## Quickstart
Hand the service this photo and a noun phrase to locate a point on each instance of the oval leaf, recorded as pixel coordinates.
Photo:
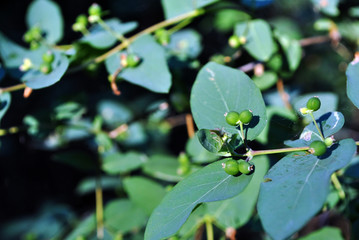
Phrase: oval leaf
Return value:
(298, 188)
(163, 167)
(210, 140)
(152, 73)
(219, 89)
(146, 193)
(259, 40)
(353, 82)
(118, 163)
(237, 211)
(174, 8)
(47, 15)
(101, 38)
(5, 99)
(36, 79)
(211, 183)
(329, 124)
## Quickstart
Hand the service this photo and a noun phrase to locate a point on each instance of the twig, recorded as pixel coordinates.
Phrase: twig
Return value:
(189, 124)
(283, 94)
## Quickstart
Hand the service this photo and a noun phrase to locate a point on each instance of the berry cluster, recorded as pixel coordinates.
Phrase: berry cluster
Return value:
(233, 167)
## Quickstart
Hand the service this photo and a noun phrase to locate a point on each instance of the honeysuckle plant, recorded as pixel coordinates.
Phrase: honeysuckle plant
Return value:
(264, 153)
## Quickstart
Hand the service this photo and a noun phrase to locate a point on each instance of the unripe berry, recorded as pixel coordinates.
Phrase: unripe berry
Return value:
(48, 57)
(245, 116)
(313, 104)
(162, 36)
(244, 167)
(232, 118)
(317, 148)
(231, 167)
(45, 67)
(132, 60)
(234, 41)
(329, 141)
(81, 19)
(95, 10)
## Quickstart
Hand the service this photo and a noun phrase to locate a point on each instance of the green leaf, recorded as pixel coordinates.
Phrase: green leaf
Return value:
(101, 38)
(197, 152)
(163, 167)
(291, 48)
(259, 40)
(152, 72)
(84, 228)
(173, 8)
(185, 44)
(5, 100)
(298, 187)
(226, 19)
(146, 193)
(329, 7)
(219, 89)
(236, 211)
(266, 80)
(88, 185)
(123, 216)
(118, 163)
(331, 233)
(11, 53)
(210, 140)
(36, 79)
(353, 82)
(47, 15)
(354, 11)
(329, 124)
(211, 183)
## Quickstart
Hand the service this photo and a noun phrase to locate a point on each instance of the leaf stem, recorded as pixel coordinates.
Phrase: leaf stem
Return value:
(316, 125)
(209, 229)
(13, 88)
(337, 186)
(99, 208)
(242, 131)
(149, 30)
(105, 26)
(274, 151)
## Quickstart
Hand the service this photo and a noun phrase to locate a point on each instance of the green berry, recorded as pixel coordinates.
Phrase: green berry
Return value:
(81, 19)
(95, 10)
(244, 167)
(232, 118)
(313, 104)
(183, 159)
(132, 60)
(162, 36)
(45, 67)
(28, 37)
(329, 141)
(231, 167)
(48, 57)
(317, 148)
(245, 116)
(34, 45)
(234, 41)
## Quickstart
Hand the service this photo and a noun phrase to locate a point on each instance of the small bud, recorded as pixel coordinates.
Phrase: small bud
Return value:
(27, 65)
(233, 41)
(304, 110)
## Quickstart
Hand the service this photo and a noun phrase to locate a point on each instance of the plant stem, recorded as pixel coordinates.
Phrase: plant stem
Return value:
(273, 151)
(242, 131)
(105, 26)
(99, 208)
(149, 30)
(337, 186)
(13, 88)
(316, 125)
(209, 229)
